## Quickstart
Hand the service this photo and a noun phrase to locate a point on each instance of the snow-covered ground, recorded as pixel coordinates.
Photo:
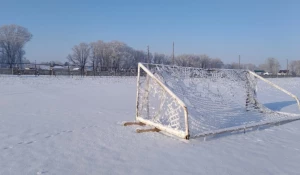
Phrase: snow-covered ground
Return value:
(63, 125)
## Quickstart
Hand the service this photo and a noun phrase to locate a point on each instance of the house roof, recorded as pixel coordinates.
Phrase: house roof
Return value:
(43, 67)
(58, 67)
(283, 71)
(259, 71)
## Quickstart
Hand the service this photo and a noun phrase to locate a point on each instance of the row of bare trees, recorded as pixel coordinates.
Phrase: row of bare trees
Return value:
(12, 41)
(202, 61)
(105, 54)
(272, 66)
(119, 55)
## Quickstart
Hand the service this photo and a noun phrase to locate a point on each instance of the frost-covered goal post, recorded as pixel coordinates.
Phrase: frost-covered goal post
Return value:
(192, 102)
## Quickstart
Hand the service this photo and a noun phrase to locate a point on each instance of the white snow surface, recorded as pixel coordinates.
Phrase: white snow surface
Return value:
(64, 125)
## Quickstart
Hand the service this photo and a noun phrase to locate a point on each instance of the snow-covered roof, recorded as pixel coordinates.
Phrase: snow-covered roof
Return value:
(43, 67)
(59, 67)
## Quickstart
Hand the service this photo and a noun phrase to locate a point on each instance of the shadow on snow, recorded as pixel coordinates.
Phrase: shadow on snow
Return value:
(277, 106)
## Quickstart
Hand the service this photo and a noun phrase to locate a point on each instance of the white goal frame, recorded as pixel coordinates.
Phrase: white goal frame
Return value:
(180, 134)
(185, 134)
(277, 87)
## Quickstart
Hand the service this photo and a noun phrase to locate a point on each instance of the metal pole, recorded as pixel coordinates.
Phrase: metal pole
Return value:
(173, 55)
(287, 66)
(239, 62)
(148, 58)
(35, 67)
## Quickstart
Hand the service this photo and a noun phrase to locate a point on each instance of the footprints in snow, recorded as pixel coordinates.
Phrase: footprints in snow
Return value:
(8, 147)
(58, 133)
(49, 136)
(42, 172)
(30, 142)
(85, 127)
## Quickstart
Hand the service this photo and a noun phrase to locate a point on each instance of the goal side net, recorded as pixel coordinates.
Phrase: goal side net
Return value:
(193, 102)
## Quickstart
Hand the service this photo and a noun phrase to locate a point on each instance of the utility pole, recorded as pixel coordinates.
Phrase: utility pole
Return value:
(239, 62)
(35, 68)
(148, 58)
(173, 60)
(287, 66)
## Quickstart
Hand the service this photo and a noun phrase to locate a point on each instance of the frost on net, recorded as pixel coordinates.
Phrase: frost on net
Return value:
(215, 99)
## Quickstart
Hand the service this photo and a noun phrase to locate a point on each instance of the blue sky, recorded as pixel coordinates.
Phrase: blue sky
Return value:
(255, 29)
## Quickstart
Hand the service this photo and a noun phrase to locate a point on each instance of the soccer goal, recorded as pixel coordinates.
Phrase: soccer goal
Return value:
(192, 102)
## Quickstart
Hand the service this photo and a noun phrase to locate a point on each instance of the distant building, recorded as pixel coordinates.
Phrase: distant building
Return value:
(59, 68)
(283, 72)
(76, 68)
(29, 66)
(44, 67)
(259, 72)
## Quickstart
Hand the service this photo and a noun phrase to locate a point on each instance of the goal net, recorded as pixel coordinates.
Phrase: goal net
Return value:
(192, 102)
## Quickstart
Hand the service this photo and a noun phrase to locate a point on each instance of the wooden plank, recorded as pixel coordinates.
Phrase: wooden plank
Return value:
(133, 123)
(178, 133)
(147, 130)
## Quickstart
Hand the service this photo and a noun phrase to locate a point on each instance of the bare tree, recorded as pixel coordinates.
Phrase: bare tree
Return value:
(204, 61)
(295, 67)
(120, 55)
(80, 55)
(106, 62)
(2, 58)
(160, 58)
(263, 67)
(97, 54)
(185, 60)
(25, 61)
(234, 65)
(249, 66)
(20, 57)
(55, 63)
(272, 65)
(138, 56)
(12, 40)
(216, 63)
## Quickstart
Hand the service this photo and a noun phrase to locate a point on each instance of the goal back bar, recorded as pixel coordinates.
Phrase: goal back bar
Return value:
(278, 87)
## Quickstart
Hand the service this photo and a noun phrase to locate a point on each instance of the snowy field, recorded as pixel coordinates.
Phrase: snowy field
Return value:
(63, 125)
